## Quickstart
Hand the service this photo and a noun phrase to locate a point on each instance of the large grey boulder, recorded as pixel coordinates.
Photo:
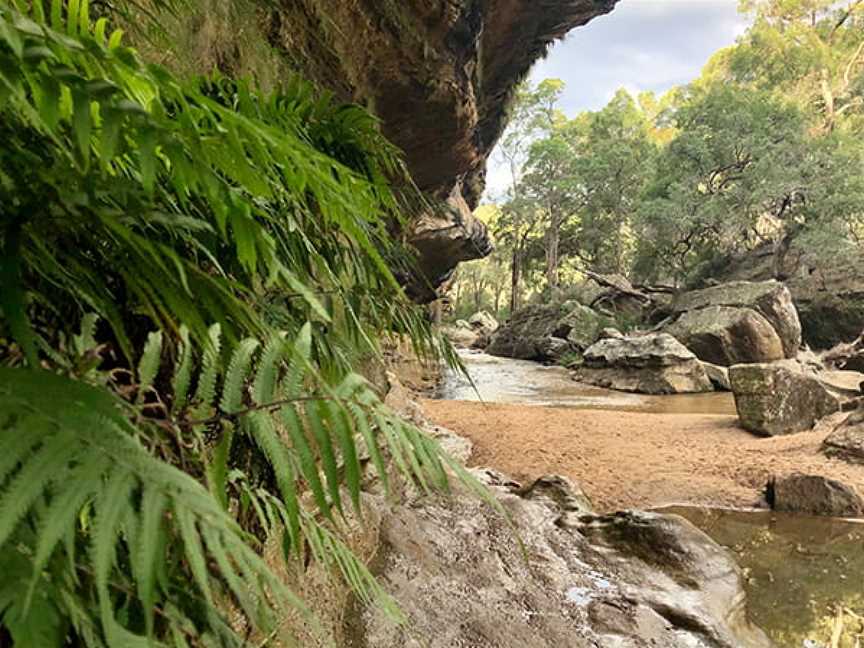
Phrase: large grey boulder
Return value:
(737, 322)
(814, 495)
(629, 580)
(775, 399)
(650, 364)
(847, 440)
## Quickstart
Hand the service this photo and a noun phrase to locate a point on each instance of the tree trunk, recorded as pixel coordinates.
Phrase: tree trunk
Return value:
(552, 244)
(515, 276)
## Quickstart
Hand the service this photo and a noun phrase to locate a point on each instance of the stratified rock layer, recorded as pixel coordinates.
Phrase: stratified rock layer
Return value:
(439, 74)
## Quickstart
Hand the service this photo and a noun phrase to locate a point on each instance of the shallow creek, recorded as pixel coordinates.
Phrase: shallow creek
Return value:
(800, 571)
(504, 380)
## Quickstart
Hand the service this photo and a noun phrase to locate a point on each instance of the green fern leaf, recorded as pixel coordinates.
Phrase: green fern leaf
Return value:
(148, 366)
(235, 377)
(263, 431)
(308, 466)
(316, 417)
(183, 372)
(264, 386)
(206, 390)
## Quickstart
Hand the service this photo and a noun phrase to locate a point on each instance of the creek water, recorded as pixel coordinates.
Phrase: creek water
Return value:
(804, 575)
(505, 380)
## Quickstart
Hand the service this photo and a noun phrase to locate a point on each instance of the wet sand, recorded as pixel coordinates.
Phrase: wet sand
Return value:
(642, 459)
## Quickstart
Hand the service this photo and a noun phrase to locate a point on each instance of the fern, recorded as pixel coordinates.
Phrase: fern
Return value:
(137, 209)
(85, 442)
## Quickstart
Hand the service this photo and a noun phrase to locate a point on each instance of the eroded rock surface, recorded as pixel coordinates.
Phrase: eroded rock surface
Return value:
(439, 74)
(737, 322)
(828, 289)
(651, 364)
(774, 399)
(631, 580)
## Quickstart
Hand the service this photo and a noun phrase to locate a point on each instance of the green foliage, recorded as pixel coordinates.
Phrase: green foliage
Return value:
(226, 254)
(99, 517)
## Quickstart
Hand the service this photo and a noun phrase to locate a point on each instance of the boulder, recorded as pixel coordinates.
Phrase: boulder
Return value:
(610, 333)
(827, 287)
(578, 580)
(650, 364)
(483, 322)
(583, 326)
(847, 440)
(727, 335)
(547, 331)
(814, 495)
(737, 322)
(774, 399)
(461, 336)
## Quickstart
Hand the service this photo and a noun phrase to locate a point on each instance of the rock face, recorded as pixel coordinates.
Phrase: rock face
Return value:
(773, 399)
(828, 289)
(651, 364)
(815, 495)
(847, 440)
(737, 322)
(547, 331)
(439, 74)
(630, 580)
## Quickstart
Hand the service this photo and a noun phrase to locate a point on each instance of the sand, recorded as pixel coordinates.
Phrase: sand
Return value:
(638, 459)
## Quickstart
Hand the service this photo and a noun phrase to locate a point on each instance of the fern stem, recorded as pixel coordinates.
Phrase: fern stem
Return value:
(254, 408)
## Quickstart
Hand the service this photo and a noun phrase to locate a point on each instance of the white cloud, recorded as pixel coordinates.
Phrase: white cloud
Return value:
(642, 45)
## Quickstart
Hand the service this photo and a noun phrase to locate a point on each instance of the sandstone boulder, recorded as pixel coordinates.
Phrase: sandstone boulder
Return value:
(737, 322)
(773, 399)
(584, 326)
(726, 335)
(651, 364)
(461, 336)
(814, 495)
(847, 440)
(630, 580)
(827, 288)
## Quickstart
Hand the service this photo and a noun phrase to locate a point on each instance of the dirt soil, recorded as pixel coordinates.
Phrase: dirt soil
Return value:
(637, 459)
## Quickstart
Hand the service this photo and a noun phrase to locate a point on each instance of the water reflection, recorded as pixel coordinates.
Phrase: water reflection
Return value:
(805, 575)
(504, 380)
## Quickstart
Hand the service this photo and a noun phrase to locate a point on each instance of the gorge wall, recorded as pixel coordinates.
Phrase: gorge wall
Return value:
(438, 73)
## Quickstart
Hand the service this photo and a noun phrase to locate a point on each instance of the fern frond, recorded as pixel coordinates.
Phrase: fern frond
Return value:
(206, 389)
(87, 440)
(235, 377)
(183, 372)
(148, 366)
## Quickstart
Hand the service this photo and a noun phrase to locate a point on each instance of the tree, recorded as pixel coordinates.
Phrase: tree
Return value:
(532, 112)
(742, 171)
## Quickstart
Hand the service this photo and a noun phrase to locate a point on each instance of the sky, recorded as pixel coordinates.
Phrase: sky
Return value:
(641, 45)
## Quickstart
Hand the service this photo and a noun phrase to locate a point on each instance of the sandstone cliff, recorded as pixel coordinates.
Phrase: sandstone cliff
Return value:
(439, 74)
